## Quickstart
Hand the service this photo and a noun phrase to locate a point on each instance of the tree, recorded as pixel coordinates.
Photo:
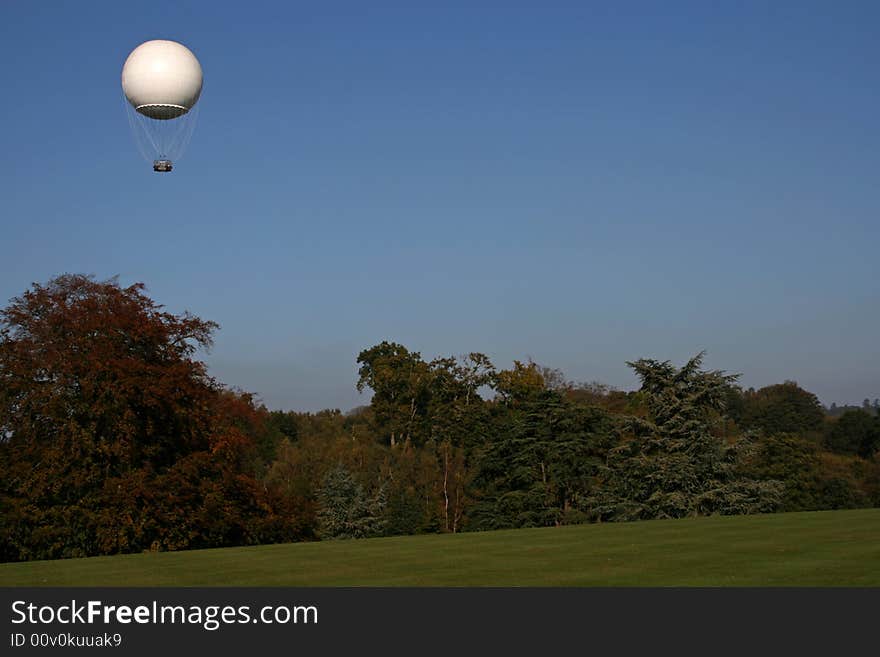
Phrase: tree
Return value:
(400, 381)
(539, 462)
(554, 378)
(459, 379)
(95, 381)
(81, 356)
(735, 403)
(872, 446)
(345, 510)
(854, 432)
(792, 460)
(286, 423)
(598, 394)
(672, 463)
(782, 408)
(521, 383)
(105, 410)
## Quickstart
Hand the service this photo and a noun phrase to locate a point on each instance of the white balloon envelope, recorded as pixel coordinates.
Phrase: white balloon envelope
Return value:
(162, 82)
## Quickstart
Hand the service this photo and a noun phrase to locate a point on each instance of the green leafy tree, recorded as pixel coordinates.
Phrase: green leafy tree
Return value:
(854, 432)
(401, 382)
(520, 383)
(872, 446)
(782, 408)
(458, 421)
(792, 460)
(410, 475)
(460, 379)
(285, 423)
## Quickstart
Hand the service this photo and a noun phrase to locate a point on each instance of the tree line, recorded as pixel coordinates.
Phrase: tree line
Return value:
(114, 439)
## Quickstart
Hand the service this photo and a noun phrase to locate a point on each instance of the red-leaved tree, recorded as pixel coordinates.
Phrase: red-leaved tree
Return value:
(113, 438)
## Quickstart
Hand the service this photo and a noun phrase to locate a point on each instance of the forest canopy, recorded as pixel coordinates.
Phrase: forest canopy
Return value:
(114, 439)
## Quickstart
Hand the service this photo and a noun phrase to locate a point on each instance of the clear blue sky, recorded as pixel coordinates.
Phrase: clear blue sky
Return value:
(583, 183)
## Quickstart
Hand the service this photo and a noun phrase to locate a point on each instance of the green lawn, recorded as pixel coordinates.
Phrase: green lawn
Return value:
(830, 548)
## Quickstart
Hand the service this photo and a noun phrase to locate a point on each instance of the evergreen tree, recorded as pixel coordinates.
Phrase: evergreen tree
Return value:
(538, 467)
(345, 509)
(673, 463)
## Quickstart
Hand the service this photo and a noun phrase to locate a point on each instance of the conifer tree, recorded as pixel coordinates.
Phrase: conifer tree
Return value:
(345, 509)
(674, 463)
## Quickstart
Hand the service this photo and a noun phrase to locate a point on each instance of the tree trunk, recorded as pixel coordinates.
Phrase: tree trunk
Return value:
(445, 487)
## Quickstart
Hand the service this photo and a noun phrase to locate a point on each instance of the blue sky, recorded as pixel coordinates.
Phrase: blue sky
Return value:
(581, 183)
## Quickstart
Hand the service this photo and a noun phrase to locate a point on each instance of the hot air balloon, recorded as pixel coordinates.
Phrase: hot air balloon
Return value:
(162, 82)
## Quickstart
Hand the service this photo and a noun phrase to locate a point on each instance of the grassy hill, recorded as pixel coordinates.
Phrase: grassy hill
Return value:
(831, 548)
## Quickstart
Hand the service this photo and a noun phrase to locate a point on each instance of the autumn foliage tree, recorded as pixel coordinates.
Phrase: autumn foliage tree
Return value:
(114, 437)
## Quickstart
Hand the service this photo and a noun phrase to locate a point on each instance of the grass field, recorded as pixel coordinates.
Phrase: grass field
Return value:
(831, 548)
